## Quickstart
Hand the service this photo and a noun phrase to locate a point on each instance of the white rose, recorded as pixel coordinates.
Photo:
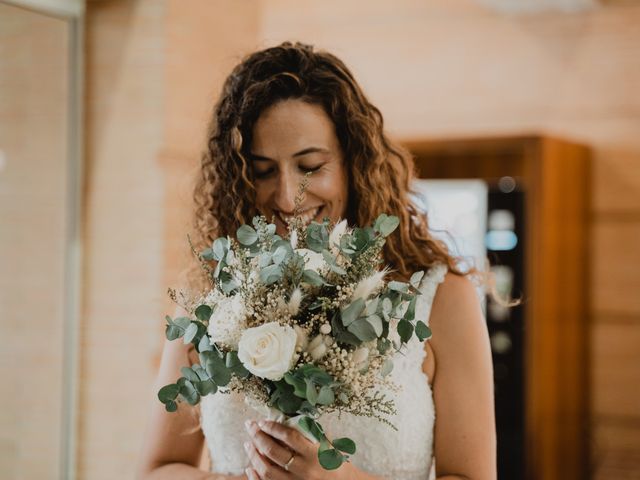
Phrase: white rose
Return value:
(312, 260)
(268, 351)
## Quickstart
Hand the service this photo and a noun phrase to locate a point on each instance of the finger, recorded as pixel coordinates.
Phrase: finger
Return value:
(263, 466)
(251, 474)
(270, 447)
(291, 437)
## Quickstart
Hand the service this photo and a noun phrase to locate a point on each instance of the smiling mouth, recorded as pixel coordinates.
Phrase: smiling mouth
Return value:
(307, 216)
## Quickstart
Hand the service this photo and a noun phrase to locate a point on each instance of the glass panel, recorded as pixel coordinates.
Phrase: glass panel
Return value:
(34, 218)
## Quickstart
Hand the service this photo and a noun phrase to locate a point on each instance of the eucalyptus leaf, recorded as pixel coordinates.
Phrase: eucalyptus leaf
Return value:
(326, 395)
(330, 459)
(363, 329)
(376, 323)
(311, 393)
(312, 278)
(352, 312)
(203, 313)
(422, 330)
(405, 330)
(271, 274)
(398, 286)
(386, 368)
(220, 248)
(190, 332)
(168, 392)
(345, 445)
(246, 235)
(309, 425)
(189, 374)
(415, 278)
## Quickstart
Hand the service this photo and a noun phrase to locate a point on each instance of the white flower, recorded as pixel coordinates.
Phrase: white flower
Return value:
(293, 239)
(228, 319)
(294, 301)
(336, 235)
(268, 351)
(368, 285)
(312, 260)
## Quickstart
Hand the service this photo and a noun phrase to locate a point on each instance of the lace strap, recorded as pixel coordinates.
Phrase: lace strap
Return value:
(428, 286)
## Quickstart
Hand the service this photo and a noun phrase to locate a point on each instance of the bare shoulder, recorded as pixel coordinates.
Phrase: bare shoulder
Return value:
(456, 314)
(456, 300)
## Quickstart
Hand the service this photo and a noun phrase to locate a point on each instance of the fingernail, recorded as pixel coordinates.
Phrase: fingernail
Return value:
(246, 446)
(247, 425)
(262, 423)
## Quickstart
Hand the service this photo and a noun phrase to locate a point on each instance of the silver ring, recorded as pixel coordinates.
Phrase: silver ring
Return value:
(286, 465)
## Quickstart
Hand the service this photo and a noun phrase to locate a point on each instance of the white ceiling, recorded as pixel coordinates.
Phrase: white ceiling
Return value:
(537, 6)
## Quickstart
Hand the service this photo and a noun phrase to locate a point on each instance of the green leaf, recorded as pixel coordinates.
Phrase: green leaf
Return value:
(312, 427)
(216, 368)
(372, 306)
(352, 312)
(345, 445)
(271, 274)
(171, 406)
(207, 254)
(189, 392)
(206, 387)
(415, 278)
(422, 330)
(234, 364)
(330, 459)
(168, 392)
(326, 396)
(388, 224)
(311, 393)
(312, 278)
(398, 286)
(190, 333)
(246, 235)
(220, 248)
(204, 344)
(289, 404)
(189, 374)
(405, 330)
(410, 314)
(279, 255)
(203, 313)
(383, 345)
(362, 329)
(376, 322)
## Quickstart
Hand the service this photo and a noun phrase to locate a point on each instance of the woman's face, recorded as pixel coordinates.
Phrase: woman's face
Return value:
(291, 138)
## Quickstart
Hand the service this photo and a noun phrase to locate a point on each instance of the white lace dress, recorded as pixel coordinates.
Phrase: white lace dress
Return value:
(406, 454)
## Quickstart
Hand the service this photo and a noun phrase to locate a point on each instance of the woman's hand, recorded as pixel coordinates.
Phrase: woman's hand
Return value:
(272, 446)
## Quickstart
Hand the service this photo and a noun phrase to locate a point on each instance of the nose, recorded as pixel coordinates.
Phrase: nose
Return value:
(286, 191)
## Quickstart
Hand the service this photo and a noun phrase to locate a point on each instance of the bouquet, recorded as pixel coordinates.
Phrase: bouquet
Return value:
(300, 325)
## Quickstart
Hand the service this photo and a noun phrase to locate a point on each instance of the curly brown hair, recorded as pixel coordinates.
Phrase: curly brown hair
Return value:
(380, 171)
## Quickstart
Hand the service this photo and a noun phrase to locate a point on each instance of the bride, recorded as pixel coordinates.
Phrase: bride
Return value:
(285, 111)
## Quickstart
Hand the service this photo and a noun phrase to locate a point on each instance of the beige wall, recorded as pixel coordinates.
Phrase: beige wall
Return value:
(154, 68)
(33, 222)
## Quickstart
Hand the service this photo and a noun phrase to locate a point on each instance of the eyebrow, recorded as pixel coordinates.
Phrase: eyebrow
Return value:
(297, 154)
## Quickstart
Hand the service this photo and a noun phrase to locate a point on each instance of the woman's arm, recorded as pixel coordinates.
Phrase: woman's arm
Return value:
(465, 436)
(173, 441)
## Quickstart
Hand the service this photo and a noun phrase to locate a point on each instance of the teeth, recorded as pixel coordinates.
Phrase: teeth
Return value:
(306, 217)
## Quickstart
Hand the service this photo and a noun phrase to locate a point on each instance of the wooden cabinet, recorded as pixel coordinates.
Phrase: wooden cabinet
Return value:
(555, 176)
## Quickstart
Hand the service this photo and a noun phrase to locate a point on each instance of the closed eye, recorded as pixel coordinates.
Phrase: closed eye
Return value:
(269, 171)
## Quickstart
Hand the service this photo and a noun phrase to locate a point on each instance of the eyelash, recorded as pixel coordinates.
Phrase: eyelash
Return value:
(268, 172)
